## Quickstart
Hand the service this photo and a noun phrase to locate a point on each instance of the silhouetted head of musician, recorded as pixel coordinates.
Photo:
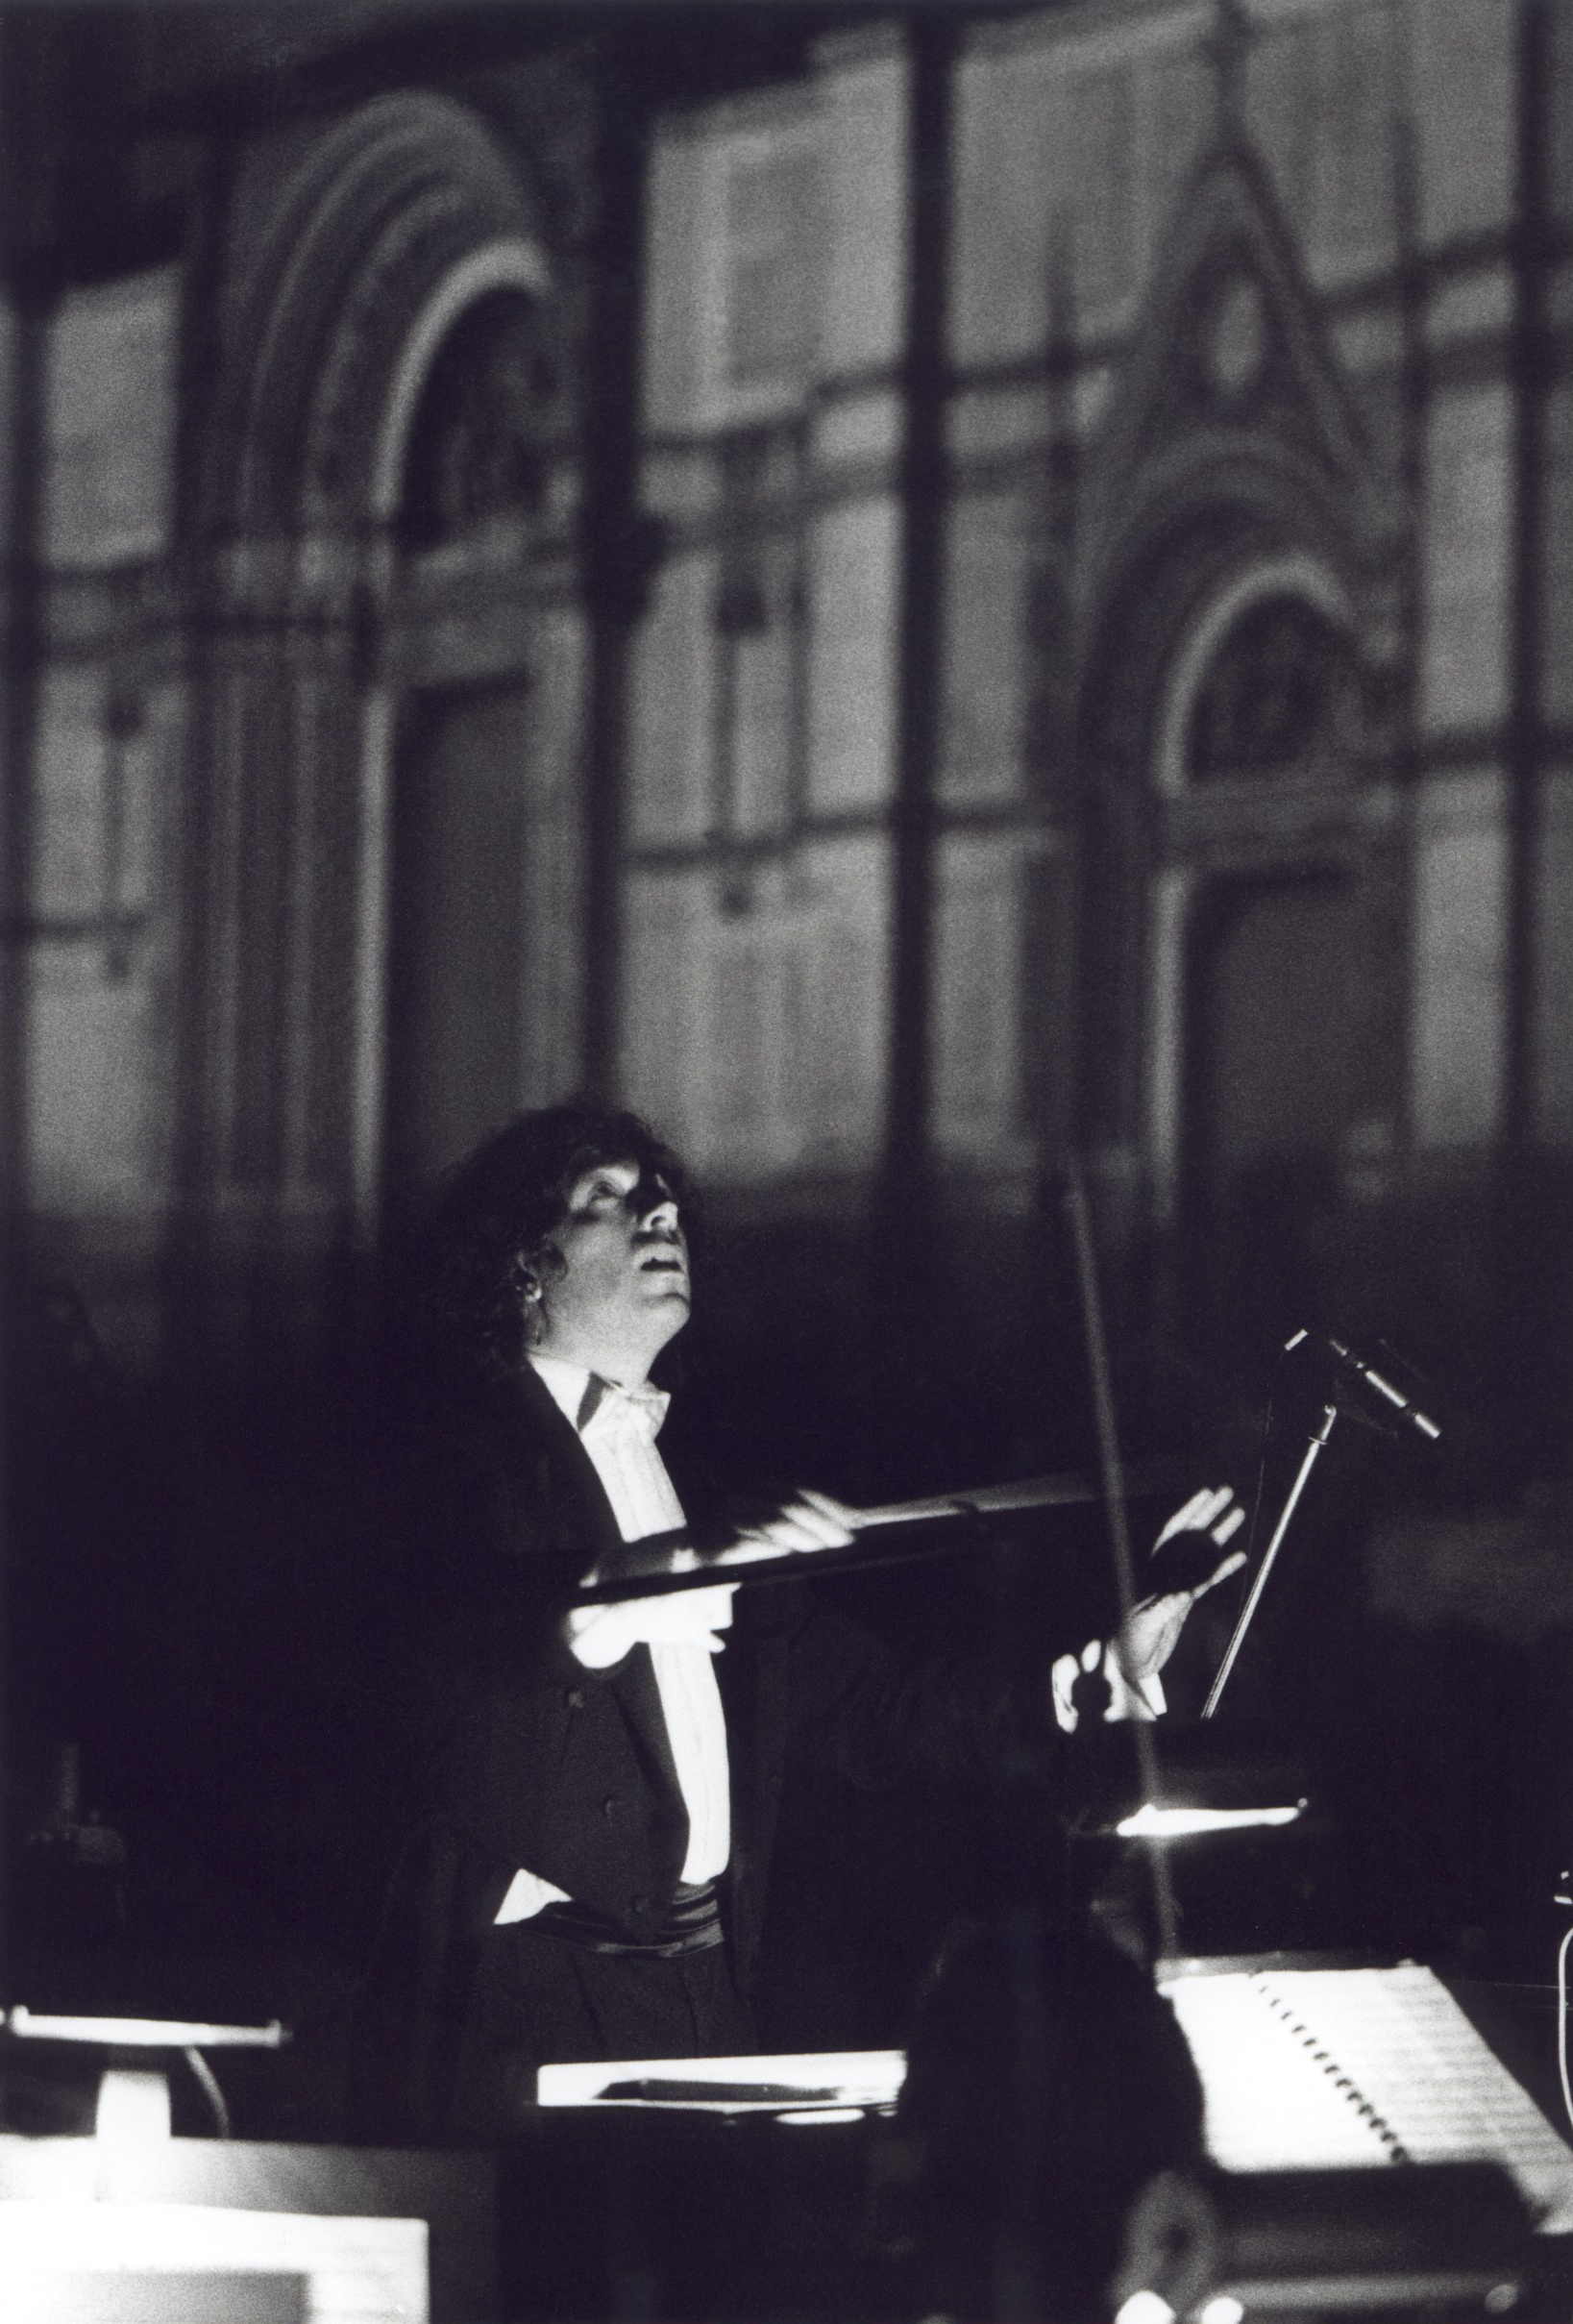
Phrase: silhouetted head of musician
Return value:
(1049, 2091)
(564, 1233)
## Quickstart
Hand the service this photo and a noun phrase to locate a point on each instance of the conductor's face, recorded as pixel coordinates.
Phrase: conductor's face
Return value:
(622, 1289)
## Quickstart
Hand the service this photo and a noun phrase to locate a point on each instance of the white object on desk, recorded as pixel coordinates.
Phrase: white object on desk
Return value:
(358, 2271)
(854, 2078)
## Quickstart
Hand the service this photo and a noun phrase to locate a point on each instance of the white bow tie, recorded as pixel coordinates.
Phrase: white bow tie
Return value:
(614, 1411)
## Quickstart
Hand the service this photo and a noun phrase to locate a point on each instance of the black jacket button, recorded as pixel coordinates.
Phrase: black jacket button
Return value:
(608, 1807)
(575, 1698)
(641, 1905)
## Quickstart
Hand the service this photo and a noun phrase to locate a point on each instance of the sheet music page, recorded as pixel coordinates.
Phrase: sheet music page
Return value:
(1307, 2068)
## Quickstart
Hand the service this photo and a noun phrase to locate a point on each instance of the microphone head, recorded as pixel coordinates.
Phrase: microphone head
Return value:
(1382, 1395)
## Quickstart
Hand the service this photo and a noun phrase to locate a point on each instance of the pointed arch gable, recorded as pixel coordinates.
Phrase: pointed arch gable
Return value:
(1231, 467)
(1231, 395)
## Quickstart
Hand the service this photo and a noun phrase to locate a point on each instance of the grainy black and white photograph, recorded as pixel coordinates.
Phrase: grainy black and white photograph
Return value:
(786, 1161)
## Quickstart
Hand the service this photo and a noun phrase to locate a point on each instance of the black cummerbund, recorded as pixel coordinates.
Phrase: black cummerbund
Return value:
(692, 1925)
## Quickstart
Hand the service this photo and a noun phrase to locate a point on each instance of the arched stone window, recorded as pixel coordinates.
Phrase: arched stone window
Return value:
(1271, 1074)
(1278, 699)
(478, 445)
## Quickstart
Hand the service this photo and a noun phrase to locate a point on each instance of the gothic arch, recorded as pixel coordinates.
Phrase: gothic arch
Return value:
(1295, 578)
(1296, 575)
(1231, 468)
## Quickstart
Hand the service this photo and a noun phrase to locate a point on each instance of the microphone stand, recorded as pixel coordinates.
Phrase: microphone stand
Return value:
(1165, 1910)
(1314, 1449)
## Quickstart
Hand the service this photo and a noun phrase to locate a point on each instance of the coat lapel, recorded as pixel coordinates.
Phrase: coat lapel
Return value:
(560, 1472)
(582, 1514)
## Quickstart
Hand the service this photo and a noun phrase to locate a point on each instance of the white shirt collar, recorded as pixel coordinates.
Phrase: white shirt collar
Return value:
(570, 1385)
(565, 1383)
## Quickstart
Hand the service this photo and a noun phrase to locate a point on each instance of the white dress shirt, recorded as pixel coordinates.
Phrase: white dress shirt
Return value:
(618, 1428)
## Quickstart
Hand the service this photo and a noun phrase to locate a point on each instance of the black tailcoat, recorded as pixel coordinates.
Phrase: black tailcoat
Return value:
(521, 1757)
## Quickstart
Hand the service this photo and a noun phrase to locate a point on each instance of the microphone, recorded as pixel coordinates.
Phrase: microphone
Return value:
(1402, 1407)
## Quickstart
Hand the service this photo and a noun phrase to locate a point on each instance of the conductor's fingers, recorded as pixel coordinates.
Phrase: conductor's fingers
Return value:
(801, 1526)
(1198, 1511)
(1230, 1565)
(836, 1514)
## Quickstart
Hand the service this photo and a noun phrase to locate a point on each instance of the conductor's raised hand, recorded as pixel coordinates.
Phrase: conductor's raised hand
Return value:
(807, 1525)
(1191, 1556)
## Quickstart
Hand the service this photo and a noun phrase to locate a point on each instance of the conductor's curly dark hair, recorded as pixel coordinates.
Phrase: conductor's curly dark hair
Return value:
(486, 1235)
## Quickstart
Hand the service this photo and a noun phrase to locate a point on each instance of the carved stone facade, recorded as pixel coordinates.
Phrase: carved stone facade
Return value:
(292, 692)
(349, 586)
(1246, 781)
(1007, 605)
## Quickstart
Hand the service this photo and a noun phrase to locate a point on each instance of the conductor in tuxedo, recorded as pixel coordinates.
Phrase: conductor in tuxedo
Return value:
(584, 1869)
